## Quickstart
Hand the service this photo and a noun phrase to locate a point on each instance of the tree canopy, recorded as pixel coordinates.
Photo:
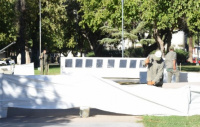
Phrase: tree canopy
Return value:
(79, 25)
(8, 25)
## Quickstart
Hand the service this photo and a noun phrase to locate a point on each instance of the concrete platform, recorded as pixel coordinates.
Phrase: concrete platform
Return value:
(67, 118)
(179, 84)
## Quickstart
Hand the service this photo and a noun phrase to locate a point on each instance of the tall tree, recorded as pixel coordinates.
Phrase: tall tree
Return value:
(163, 17)
(53, 21)
(22, 30)
(192, 23)
(92, 20)
(53, 18)
(8, 28)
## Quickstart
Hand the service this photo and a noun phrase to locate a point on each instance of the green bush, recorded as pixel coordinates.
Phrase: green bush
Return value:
(134, 52)
(181, 56)
(90, 54)
(111, 53)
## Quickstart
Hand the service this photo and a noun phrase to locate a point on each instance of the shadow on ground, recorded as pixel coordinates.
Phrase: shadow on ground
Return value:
(18, 117)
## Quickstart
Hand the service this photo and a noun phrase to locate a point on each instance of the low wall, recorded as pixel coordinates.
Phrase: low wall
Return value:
(184, 77)
(103, 66)
(23, 69)
(112, 67)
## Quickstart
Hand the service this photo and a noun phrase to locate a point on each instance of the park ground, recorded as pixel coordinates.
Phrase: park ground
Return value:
(146, 121)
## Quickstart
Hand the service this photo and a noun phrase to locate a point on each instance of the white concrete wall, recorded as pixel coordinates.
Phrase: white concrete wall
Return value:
(89, 65)
(178, 40)
(24, 69)
(184, 77)
(79, 65)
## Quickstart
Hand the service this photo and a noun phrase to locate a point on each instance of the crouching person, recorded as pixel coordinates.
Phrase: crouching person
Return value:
(155, 69)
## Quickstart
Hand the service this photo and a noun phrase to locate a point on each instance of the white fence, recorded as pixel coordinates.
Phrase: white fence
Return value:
(103, 66)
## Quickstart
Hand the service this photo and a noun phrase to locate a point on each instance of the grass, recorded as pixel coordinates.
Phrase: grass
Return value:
(190, 68)
(53, 70)
(174, 121)
(171, 121)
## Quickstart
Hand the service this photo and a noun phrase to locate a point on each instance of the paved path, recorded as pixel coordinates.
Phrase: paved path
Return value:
(67, 118)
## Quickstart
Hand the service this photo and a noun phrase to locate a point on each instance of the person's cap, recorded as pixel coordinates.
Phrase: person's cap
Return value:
(171, 47)
(158, 53)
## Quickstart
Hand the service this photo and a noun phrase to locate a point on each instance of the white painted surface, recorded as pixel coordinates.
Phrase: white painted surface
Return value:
(23, 69)
(184, 77)
(111, 66)
(116, 71)
(178, 40)
(76, 90)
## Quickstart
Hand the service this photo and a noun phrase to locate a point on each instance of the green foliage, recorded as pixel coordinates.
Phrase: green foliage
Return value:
(8, 26)
(193, 15)
(171, 121)
(113, 33)
(72, 43)
(134, 52)
(94, 14)
(109, 41)
(181, 56)
(90, 54)
(163, 13)
(189, 67)
(62, 29)
(111, 53)
(147, 41)
(53, 21)
(116, 34)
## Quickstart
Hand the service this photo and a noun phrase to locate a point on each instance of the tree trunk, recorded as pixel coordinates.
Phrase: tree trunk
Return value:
(168, 37)
(28, 60)
(93, 38)
(161, 44)
(159, 40)
(190, 49)
(148, 49)
(22, 26)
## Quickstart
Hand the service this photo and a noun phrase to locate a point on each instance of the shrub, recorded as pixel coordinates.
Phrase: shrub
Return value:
(181, 56)
(90, 54)
(134, 52)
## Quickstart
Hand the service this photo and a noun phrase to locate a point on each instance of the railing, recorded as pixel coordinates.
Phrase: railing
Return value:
(3, 50)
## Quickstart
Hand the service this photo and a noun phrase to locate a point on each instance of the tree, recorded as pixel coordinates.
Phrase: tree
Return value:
(53, 18)
(92, 20)
(163, 16)
(99, 13)
(192, 23)
(114, 35)
(53, 21)
(8, 27)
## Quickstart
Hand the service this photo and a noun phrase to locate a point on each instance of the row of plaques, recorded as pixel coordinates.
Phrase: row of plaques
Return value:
(99, 63)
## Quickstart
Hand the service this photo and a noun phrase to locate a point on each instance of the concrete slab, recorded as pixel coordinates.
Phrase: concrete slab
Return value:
(67, 118)
(179, 84)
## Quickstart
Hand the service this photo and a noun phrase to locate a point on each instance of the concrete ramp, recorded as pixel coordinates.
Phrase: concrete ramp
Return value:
(77, 90)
